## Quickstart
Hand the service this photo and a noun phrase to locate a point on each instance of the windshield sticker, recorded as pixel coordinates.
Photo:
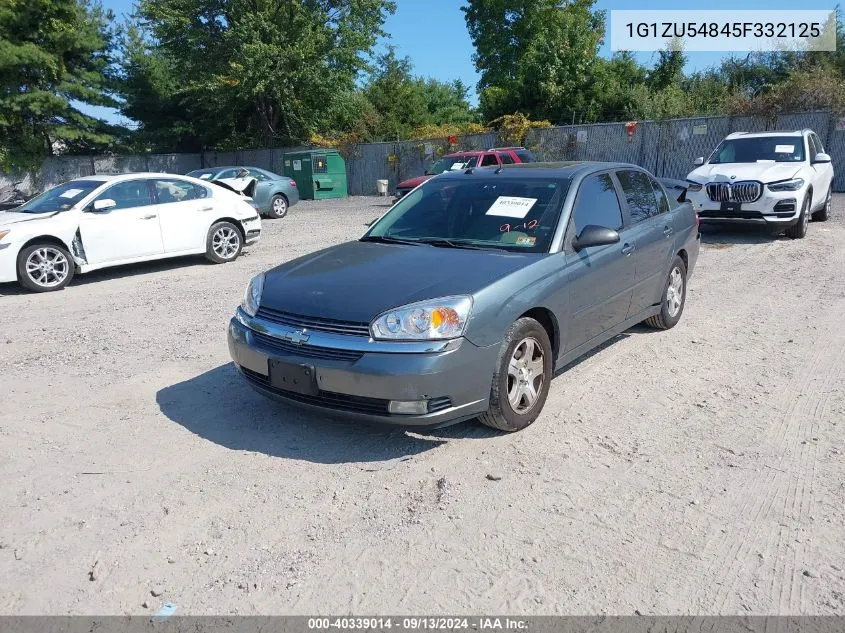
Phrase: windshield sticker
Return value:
(71, 193)
(457, 166)
(511, 206)
(784, 149)
(205, 176)
(526, 240)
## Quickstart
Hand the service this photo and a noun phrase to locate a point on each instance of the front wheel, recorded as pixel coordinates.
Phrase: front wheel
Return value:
(45, 267)
(824, 213)
(798, 231)
(522, 377)
(224, 243)
(278, 206)
(674, 297)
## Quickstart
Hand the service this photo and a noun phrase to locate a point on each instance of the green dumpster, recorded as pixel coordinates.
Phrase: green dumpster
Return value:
(319, 174)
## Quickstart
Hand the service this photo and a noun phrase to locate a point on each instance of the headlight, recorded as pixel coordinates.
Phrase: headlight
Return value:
(693, 186)
(252, 295)
(427, 320)
(786, 185)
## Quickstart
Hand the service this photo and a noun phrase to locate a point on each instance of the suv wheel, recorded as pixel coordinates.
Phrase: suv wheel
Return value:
(800, 229)
(824, 213)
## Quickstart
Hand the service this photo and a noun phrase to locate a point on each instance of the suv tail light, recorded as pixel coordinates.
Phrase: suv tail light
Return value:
(293, 183)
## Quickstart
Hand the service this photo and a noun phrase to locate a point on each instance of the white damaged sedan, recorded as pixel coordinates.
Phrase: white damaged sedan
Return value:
(100, 221)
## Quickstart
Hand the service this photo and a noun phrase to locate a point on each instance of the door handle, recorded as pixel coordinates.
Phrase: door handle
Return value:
(667, 231)
(627, 249)
(207, 208)
(149, 217)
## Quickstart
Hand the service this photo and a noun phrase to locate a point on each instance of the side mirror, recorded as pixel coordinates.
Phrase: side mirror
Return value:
(593, 235)
(821, 157)
(426, 173)
(104, 206)
(698, 161)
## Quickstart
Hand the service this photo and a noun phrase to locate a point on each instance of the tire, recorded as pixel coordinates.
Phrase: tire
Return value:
(798, 231)
(674, 297)
(824, 213)
(502, 415)
(278, 207)
(44, 267)
(224, 243)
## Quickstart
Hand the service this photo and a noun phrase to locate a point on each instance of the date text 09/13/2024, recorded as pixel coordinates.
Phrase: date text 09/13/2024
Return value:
(417, 623)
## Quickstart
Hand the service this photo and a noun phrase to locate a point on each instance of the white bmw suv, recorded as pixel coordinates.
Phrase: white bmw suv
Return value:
(774, 179)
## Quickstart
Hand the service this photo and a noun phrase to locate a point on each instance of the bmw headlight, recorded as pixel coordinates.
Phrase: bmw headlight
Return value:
(427, 320)
(786, 185)
(252, 295)
(693, 186)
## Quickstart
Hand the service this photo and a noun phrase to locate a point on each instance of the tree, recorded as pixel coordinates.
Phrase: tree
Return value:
(256, 72)
(55, 56)
(535, 56)
(669, 70)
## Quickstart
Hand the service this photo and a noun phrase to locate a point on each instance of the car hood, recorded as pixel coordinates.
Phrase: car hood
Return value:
(357, 281)
(764, 172)
(413, 182)
(8, 218)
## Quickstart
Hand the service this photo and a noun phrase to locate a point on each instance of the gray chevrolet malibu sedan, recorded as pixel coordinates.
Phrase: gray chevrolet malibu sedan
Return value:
(463, 299)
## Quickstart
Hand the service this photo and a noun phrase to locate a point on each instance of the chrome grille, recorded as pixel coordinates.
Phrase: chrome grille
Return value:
(736, 192)
(317, 324)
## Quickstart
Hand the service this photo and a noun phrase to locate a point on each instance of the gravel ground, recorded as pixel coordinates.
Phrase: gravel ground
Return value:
(698, 470)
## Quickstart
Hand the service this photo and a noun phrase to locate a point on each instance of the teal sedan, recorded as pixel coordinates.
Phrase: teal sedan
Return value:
(273, 195)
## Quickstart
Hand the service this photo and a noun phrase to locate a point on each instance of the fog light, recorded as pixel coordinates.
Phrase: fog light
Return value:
(408, 407)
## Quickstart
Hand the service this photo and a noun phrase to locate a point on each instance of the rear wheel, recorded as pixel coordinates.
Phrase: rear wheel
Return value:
(278, 206)
(224, 243)
(674, 297)
(824, 213)
(521, 379)
(800, 229)
(45, 267)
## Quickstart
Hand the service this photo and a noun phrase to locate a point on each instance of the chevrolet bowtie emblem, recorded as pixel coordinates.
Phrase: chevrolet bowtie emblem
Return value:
(297, 337)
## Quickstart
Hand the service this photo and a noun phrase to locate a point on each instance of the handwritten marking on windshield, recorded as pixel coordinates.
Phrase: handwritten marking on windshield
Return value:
(528, 226)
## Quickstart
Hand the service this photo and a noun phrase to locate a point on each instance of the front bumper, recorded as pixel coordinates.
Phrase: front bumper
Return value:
(8, 261)
(358, 377)
(779, 210)
(252, 230)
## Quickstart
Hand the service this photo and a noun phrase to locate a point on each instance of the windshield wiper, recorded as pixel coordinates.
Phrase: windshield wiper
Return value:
(444, 243)
(386, 239)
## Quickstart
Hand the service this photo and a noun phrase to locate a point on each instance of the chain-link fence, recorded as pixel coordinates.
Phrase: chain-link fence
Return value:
(667, 148)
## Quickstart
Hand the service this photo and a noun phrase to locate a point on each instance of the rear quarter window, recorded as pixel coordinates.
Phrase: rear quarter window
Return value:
(526, 156)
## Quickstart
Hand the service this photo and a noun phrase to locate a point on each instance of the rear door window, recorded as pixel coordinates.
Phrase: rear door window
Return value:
(173, 190)
(660, 194)
(489, 160)
(525, 156)
(507, 159)
(639, 194)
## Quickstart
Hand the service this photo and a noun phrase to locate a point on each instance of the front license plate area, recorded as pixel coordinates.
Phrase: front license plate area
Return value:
(731, 207)
(293, 377)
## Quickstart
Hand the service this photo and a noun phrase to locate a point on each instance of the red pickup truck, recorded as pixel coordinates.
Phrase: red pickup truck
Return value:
(465, 160)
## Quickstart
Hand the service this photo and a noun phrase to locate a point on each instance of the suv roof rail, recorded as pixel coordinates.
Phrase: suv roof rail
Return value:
(499, 149)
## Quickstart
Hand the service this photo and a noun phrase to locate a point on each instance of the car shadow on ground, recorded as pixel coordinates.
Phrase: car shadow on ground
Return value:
(725, 236)
(220, 407)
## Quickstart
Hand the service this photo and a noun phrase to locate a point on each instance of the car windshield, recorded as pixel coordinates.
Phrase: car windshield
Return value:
(60, 198)
(448, 163)
(513, 214)
(779, 149)
(202, 174)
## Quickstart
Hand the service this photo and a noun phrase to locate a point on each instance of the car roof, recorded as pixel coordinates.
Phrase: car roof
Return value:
(224, 167)
(130, 176)
(795, 133)
(561, 169)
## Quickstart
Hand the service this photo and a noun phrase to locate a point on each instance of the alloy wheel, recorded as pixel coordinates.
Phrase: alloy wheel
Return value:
(526, 376)
(47, 267)
(675, 292)
(225, 242)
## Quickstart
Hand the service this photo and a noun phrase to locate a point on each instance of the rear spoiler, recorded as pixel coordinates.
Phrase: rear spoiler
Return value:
(242, 186)
(676, 188)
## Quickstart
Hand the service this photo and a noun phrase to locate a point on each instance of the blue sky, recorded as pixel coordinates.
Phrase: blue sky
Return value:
(433, 33)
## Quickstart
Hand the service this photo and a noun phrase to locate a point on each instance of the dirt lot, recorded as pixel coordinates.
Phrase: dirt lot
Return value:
(698, 470)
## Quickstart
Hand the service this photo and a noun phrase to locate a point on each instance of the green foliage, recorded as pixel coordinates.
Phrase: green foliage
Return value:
(247, 72)
(54, 55)
(513, 128)
(535, 56)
